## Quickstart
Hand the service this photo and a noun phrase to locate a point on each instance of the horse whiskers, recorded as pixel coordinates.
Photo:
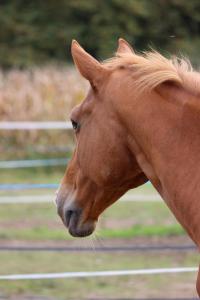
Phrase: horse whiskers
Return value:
(92, 240)
(98, 239)
(88, 243)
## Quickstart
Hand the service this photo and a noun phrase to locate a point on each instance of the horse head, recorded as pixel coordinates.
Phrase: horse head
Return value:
(102, 168)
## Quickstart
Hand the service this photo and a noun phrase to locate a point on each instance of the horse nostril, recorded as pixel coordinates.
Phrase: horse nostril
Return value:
(68, 216)
(72, 217)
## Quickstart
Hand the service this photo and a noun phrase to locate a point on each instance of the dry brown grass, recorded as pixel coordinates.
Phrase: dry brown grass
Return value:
(38, 94)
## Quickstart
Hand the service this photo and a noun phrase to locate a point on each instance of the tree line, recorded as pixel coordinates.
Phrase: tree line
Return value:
(40, 32)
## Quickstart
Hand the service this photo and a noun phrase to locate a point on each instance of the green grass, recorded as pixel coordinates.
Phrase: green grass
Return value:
(145, 231)
(42, 233)
(33, 175)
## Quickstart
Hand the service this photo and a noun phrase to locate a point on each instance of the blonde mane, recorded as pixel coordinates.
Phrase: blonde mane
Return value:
(151, 69)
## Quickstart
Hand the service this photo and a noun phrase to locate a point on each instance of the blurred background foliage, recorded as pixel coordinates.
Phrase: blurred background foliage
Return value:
(35, 72)
(39, 32)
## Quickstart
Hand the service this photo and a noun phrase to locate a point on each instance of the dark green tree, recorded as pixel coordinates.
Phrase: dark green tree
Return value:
(38, 32)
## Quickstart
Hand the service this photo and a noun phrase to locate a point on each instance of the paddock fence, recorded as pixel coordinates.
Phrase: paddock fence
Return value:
(46, 198)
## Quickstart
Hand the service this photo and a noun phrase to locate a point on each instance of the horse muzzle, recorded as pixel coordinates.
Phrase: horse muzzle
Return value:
(72, 218)
(76, 227)
(72, 214)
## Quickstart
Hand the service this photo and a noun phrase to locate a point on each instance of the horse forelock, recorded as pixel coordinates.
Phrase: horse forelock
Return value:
(150, 69)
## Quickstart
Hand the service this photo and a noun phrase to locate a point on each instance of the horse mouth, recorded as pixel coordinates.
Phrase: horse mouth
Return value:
(75, 226)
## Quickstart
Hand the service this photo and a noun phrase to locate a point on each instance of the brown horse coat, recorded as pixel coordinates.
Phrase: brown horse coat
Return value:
(139, 121)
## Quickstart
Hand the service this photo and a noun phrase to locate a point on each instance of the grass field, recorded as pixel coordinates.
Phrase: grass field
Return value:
(124, 223)
(94, 288)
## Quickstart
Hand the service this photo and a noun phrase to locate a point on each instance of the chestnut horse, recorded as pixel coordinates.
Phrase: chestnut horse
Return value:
(140, 121)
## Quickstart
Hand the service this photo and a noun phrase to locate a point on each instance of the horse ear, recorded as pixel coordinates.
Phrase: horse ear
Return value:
(87, 65)
(124, 47)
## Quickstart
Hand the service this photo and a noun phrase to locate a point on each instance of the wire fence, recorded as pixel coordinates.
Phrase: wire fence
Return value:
(141, 298)
(27, 186)
(132, 248)
(18, 164)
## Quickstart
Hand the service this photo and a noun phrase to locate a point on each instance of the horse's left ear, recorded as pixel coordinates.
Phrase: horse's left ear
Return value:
(124, 47)
(87, 65)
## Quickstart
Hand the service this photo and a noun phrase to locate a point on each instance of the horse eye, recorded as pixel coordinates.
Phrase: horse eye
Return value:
(75, 125)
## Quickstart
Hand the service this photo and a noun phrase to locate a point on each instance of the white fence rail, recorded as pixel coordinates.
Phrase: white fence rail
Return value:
(34, 125)
(97, 273)
(51, 198)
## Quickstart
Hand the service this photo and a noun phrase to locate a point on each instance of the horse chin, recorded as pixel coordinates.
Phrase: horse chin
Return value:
(82, 231)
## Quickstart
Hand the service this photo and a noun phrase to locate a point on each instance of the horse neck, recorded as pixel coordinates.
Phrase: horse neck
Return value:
(165, 138)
